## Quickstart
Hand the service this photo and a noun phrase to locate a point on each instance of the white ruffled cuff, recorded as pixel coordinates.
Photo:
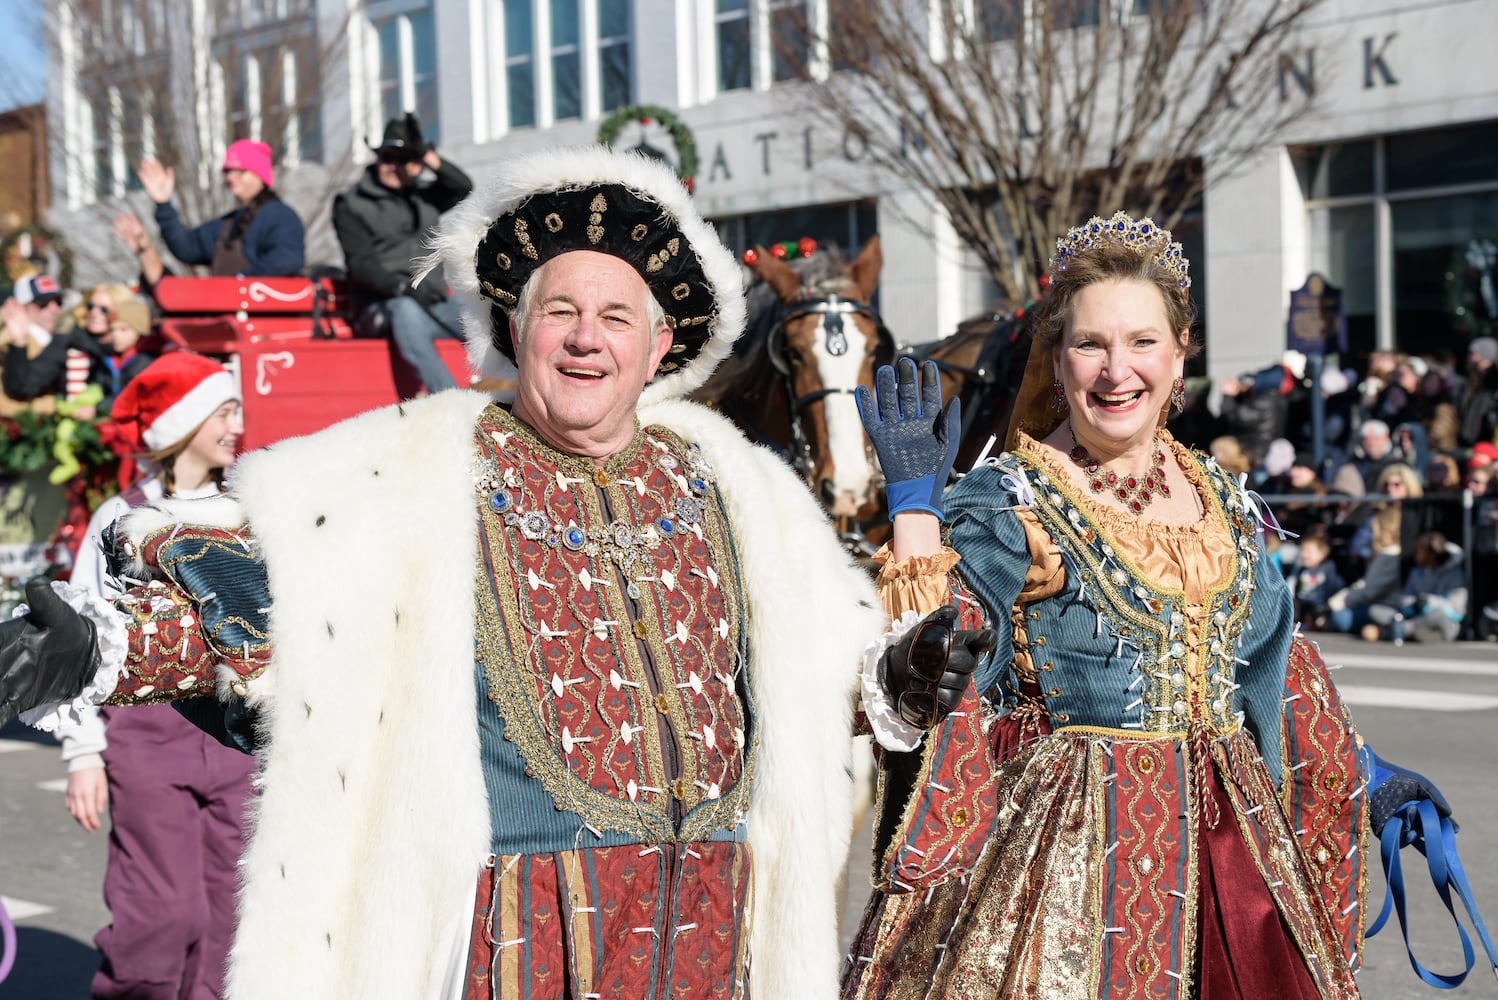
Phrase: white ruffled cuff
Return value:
(114, 643)
(892, 732)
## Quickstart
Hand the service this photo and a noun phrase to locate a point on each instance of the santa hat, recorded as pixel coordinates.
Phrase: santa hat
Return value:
(167, 401)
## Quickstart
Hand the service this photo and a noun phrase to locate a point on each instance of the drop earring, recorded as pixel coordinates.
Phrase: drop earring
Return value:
(1178, 395)
(1058, 397)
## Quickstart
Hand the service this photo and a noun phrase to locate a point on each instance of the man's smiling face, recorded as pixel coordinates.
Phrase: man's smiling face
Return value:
(585, 350)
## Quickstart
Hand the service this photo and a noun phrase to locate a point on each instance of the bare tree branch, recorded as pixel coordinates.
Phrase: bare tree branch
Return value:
(153, 83)
(1019, 118)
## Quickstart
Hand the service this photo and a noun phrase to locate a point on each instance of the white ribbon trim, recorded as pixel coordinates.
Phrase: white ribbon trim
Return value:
(892, 732)
(114, 642)
(1252, 501)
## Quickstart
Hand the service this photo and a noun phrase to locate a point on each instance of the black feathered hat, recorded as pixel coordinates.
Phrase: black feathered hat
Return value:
(622, 204)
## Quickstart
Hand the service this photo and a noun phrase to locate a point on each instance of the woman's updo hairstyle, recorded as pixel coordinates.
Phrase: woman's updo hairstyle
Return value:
(1118, 249)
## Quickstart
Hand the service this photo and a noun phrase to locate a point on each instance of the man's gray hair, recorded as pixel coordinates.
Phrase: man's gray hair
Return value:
(655, 313)
(1375, 427)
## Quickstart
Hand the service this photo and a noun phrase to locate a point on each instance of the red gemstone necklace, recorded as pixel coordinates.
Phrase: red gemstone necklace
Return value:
(1134, 492)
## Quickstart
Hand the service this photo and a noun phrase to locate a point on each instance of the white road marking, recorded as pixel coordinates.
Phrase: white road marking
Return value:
(60, 785)
(1428, 664)
(11, 746)
(20, 909)
(1433, 701)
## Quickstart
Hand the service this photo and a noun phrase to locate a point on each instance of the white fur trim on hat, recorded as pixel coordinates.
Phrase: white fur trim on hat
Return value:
(558, 169)
(179, 419)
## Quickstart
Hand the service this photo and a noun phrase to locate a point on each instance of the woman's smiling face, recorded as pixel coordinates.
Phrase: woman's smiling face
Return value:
(1117, 362)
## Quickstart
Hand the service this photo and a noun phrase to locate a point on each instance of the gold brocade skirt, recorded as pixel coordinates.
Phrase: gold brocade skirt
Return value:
(1087, 885)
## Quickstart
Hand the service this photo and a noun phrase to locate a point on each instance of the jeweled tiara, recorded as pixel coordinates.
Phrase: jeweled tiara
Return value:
(1139, 235)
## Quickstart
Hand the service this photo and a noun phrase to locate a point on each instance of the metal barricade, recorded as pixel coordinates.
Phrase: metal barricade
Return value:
(1465, 518)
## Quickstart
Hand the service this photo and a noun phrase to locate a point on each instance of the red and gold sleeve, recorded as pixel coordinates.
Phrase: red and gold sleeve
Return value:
(1324, 790)
(937, 802)
(201, 626)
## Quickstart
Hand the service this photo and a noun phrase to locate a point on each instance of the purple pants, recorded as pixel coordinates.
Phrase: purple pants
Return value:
(176, 805)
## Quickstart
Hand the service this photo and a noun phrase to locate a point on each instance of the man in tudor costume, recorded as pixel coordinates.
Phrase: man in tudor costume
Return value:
(551, 703)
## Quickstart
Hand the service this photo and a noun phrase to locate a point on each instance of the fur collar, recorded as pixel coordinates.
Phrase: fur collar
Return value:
(372, 825)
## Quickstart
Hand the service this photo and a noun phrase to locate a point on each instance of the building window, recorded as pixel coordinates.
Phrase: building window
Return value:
(566, 59)
(103, 152)
(764, 42)
(613, 54)
(520, 69)
(790, 51)
(734, 52)
(407, 49)
(1342, 244)
(998, 20)
(1400, 223)
(132, 107)
(271, 94)
(845, 225)
(308, 112)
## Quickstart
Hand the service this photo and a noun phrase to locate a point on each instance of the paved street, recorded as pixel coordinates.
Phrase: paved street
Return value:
(1431, 708)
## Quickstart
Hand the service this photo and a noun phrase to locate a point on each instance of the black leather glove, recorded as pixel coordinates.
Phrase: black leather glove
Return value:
(926, 672)
(1391, 786)
(46, 657)
(431, 291)
(915, 438)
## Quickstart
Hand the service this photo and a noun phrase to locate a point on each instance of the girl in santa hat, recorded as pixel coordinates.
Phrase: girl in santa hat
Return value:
(176, 798)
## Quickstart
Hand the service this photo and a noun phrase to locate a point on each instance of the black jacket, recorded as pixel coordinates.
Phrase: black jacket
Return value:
(1479, 409)
(27, 378)
(382, 230)
(46, 374)
(101, 373)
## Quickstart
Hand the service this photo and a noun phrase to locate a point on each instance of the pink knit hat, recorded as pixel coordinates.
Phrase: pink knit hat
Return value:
(167, 401)
(247, 154)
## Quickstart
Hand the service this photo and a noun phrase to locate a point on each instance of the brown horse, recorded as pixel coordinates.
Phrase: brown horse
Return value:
(982, 364)
(811, 338)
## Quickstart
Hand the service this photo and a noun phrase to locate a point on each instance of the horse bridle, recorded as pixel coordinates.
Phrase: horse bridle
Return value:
(832, 309)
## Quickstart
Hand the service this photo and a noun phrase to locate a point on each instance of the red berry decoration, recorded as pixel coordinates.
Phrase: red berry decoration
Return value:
(1019, 313)
(777, 250)
(1044, 282)
(751, 257)
(807, 246)
(646, 119)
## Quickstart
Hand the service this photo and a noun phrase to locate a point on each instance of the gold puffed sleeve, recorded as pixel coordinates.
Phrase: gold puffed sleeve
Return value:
(917, 583)
(920, 583)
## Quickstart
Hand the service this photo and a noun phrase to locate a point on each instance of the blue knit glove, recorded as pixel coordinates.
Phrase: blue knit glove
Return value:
(1391, 786)
(915, 438)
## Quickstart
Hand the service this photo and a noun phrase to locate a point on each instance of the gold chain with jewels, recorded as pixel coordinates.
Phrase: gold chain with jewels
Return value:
(1135, 492)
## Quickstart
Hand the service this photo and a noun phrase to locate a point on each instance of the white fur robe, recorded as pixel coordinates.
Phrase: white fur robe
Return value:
(373, 826)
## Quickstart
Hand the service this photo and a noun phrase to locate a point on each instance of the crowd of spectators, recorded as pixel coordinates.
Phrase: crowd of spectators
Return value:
(52, 353)
(70, 357)
(59, 347)
(1403, 435)
(1379, 531)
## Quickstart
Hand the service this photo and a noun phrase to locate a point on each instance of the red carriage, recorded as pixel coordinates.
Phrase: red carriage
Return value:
(290, 342)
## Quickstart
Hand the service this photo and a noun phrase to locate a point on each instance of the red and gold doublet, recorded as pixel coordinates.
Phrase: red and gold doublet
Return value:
(610, 636)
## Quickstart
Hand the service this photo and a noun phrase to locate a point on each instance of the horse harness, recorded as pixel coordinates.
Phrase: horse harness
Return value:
(832, 309)
(995, 356)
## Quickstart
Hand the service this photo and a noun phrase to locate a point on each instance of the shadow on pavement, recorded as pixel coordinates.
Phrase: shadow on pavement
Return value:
(49, 966)
(18, 730)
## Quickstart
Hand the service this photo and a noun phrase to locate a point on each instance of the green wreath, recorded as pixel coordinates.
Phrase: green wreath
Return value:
(1467, 306)
(681, 135)
(55, 240)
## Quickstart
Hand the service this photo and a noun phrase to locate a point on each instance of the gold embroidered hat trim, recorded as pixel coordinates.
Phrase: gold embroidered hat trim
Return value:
(606, 217)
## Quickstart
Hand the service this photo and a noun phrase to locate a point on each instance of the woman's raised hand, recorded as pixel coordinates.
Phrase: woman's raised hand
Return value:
(915, 438)
(158, 182)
